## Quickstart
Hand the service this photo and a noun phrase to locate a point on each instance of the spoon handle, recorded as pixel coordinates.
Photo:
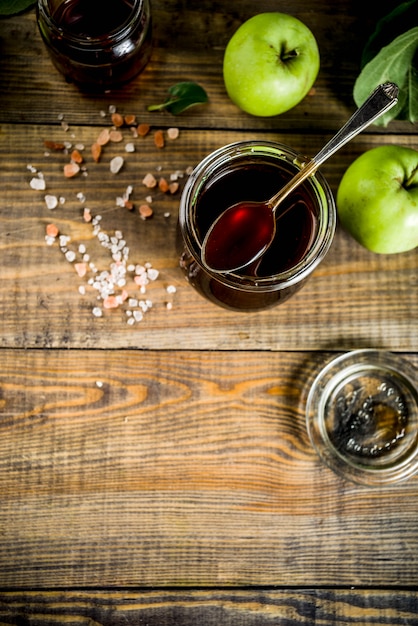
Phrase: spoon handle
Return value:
(383, 98)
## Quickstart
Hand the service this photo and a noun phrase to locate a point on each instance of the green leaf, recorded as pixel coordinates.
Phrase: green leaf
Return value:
(181, 97)
(395, 23)
(394, 63)
(12, 7)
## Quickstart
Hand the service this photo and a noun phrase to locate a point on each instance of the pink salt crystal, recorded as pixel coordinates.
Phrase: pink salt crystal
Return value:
(87, 215)
(81, 269)
(110, 302)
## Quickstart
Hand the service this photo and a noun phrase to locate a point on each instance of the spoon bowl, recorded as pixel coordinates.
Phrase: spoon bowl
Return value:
(244, 231)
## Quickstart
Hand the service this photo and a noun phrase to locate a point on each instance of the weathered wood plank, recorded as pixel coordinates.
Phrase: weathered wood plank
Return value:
(130, 468)
(313, 607)
(355, 298)
(189, 43)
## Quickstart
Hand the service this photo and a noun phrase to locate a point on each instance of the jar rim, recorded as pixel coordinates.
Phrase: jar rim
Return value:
(115, 35)
(318, 184)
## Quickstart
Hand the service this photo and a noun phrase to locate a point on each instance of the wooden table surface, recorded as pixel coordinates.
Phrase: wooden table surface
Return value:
(160, 472)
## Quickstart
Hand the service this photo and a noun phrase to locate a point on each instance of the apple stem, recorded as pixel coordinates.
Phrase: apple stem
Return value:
(287, 55)
(413, 178)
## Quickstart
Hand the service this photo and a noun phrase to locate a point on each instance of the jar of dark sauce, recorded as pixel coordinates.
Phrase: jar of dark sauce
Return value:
(97, 45)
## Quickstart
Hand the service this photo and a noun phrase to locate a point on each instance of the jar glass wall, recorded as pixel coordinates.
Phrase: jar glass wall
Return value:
(255, 170)
(96, 46)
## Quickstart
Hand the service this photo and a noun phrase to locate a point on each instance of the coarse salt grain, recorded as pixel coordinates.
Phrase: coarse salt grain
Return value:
(163, 185)
(116, 164)
(38, 183)
(52, 230)
(130, 147)
(115, 136)
(96, 151)
(149, 181)
(64, 239)
(153, 274)
(145, 211)
(138, 315)
(71, 169)
(159, 139)
(76, 156)
(70, 256)
(171, 289)
(51, 201)
(141, 280)
(143, 130)
(117, 120)
(81, 269)
(103, 137)
(173, 133)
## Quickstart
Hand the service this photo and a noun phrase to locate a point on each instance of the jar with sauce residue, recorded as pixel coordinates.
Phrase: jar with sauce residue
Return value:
(98, 47)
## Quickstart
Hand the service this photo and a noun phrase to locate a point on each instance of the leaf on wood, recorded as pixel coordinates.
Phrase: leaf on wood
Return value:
(181, 97)
(12, 7)
(394, 63)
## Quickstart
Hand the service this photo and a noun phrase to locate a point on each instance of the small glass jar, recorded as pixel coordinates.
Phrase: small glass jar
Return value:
(98, 46)
(362, 416)
(254, 171)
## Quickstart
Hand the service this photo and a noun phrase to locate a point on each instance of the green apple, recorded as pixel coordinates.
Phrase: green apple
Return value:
(270, 64)
(377, 199)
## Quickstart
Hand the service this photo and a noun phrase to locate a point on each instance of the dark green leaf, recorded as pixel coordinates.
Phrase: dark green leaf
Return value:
(394, 63)
(11, 7)
(181, 97)
(397, 22)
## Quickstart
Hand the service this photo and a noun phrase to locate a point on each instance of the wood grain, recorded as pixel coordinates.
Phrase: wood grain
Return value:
(189, 43)
(355, 298)
(161, 468)
(300, 607)
(161, 473)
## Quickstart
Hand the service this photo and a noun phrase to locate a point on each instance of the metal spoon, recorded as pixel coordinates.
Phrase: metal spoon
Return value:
(244, 231)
